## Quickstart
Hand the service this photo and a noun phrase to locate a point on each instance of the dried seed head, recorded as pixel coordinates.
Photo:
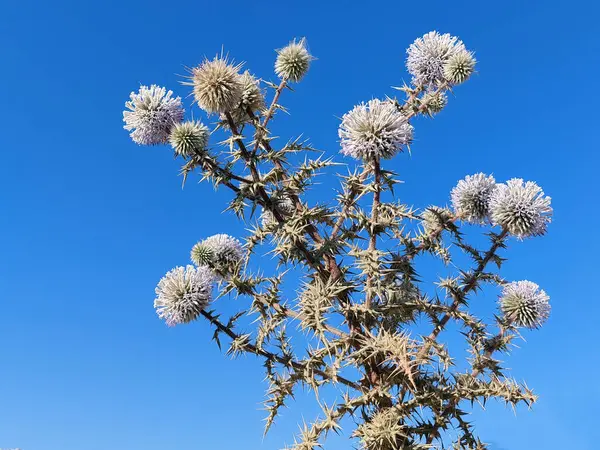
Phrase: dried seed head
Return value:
(459, 67)
(217, 85)
(521, 208)
(152, 112)
(293, 61)
(471, 197)
(374, 130)
(183, 293)
(252, 98)
(525, 304)
(189, 138)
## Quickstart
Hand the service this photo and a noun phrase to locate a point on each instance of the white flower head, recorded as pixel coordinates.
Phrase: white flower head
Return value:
(521, 208)
(220, 251)
(151, 114)
(374, 130)
(183, 293)
(471, 197)
(293, 61)
(459, 67)
(428, 55)
(189, 138)
(217, 85)
(525, 304)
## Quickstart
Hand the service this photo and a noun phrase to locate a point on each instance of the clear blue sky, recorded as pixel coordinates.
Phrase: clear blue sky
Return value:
(89, 222)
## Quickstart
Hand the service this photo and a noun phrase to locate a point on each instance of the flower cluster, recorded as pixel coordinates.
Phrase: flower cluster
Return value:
(220, 251)
(151, 114)
(525, 304)
(471, 197)
(376, 129)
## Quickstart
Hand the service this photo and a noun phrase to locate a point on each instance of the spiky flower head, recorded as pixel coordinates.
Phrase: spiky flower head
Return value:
(525, 304)
(220, 251)
(376, 129)
(434, 102)
(252, 98)
(183, 293)
(382, 431)
(293, 61)
(284, 206)
(471, 197)
(217, 84)
(521, 208)
(150, 115)
(428, 55)
(459, 67)
(189, 138)
(435, 219)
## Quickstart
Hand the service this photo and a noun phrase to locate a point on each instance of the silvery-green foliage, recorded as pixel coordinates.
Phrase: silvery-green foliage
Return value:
(293, 61)
(338, 314)
(151, 114)
(471, 197)
(374, 129)
(521, 208)
(183, 293)
(189, 138)
(218, 86)
(525, 304)
(428, 55)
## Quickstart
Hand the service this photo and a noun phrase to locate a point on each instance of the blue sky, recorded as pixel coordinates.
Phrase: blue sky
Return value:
(89, 221)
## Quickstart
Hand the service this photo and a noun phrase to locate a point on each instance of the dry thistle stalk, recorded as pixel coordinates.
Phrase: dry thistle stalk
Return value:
(359, 293)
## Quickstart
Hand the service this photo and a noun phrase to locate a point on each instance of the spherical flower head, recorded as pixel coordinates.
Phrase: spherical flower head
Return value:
(189, 138)
(252, 99)
(434, 102)
(459, 67)
(221, 251)
(471, 197)
(293, 61)
(428, 55)
(521, 208)
(435, 219)
(284, 206)
(217, 85)
(525, 304)
(376, 129)
(151, 114)
(183, 293)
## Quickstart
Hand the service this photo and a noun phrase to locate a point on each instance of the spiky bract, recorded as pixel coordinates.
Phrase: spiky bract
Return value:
(525, 304)
(521, 208)
(428, 55)
(284, 206)
(217, 84)
(293, 61)
(471, 197)
(459, 67)
(189, 138)
(152, 112)
(376, 129)
(382, 431)
(435, 219)
(183, 293)
(433, 102)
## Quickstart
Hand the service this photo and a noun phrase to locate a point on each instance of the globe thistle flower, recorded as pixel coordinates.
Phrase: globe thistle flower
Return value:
(189, 138)
(521, 208)
(525, 304)
(293, 61)
(471, 197)
(434, 102)
(220, 251)
(459, 67)
(435, 219)
(374, 130)
(428, 55)
(217, 84)
(152, 112)
(252, 98)
(284, 205)
(183, 293)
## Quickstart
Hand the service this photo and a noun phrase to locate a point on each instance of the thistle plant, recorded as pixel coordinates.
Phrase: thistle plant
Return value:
(353, 260)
